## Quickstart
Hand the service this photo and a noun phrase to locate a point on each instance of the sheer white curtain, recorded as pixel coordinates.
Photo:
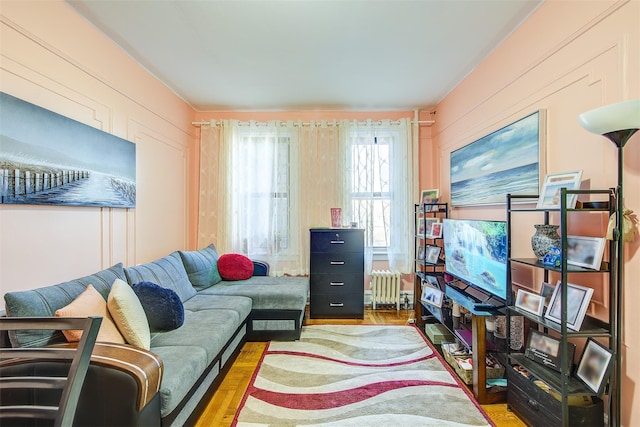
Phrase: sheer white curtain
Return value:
(263, 185)
(379, 187)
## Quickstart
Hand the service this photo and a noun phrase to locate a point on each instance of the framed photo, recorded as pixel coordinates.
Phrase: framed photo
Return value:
(546, 290)
(508, 160)
(530, 302)
(432, 296)
(428, 223)
(432, 254)
(585, 251)
(594, 366)
(422, 226)
(436, 230)
(421, 252)
(429, 196)
(550, 195)
(545, 349)
(578, 299)
(435, 281)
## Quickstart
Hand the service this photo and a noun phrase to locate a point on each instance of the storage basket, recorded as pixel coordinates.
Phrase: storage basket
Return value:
(467, 374)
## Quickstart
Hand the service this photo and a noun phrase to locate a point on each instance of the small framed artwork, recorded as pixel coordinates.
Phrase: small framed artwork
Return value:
(421, 252)
(430, 196)
(436, 230)
(578, 299)
(432, 296)
(585, 251)
(435, 280)
(432, 254)
(594, 366)
(530, 302)
(545, 349)
(428, 223)
(546, 290)
(422, 226)
(550, 195)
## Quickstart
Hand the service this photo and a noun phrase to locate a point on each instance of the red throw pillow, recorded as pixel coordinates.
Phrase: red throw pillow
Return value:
(235, 267)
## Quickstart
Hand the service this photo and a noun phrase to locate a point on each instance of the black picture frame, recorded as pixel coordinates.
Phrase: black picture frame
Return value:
(545, 349)
(595, 365)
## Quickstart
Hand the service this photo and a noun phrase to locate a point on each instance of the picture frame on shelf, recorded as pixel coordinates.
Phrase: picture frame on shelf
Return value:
(545, 349)
(430, 196)
(436, 230)
(435, 280)
(422, 226)
(546, 291)
(578, 299)
(421, 252)
(550, 195)
(431, 295)
(428, 224)
(530, 302)
(594, 366)
(585, 251)
(432, 254)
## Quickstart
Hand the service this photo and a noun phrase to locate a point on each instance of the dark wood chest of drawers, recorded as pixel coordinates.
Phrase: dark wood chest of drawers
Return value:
(337, 273)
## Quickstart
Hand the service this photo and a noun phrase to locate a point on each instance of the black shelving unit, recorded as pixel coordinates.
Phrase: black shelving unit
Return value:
(422, 240)
(534, 405)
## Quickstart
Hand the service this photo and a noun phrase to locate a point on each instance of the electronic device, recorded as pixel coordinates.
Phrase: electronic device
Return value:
(476, 253)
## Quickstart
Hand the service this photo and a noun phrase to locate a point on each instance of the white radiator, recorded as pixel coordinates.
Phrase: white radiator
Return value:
(385, 287)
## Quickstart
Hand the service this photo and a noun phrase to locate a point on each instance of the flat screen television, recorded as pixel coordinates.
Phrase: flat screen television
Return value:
(476, 253)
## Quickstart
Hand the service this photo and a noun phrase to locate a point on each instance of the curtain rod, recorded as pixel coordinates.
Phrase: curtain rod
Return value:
(328, 123)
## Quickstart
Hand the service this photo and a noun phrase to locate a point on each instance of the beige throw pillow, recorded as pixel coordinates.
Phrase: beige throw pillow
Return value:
(128, 314)
(91, 303)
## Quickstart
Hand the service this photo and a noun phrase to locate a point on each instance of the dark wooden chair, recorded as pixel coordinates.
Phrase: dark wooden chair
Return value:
(20, 379)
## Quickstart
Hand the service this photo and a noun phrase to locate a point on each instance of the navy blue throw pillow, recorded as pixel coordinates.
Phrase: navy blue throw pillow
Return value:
(162, 306)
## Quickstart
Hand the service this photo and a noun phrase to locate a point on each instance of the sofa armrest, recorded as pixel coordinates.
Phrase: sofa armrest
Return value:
(260, 268)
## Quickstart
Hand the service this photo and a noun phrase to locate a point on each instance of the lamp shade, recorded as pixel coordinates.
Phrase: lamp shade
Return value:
(611, 118)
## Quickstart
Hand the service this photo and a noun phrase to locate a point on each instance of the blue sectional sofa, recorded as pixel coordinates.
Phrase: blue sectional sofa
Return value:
(189, 361)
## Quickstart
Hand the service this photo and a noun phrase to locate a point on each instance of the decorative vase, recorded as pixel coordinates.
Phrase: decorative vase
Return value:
(545, 238)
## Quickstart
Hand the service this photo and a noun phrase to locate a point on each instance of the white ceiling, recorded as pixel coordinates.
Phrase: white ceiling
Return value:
(308, 54)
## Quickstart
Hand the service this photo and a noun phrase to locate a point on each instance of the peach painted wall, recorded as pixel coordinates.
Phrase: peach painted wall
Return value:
(566, 58)
(53, 58)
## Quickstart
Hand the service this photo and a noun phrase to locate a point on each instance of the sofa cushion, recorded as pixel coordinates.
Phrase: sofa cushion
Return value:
(239, 304)
(235, 267)
(91, 303)
(267, 293)
(167, 272)
(45, 301)
(202, 267)
(162, 306)
(128, 314)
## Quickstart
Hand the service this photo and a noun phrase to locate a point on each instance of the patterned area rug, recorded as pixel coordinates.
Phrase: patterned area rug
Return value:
(357, 375)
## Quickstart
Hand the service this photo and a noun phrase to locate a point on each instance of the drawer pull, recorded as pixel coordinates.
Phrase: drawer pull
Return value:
(337, 262)
(337, 242)
(336, 304)
(535, 405)
(337, 283)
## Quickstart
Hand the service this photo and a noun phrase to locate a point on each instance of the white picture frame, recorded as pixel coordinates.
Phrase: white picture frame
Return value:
(546, 291)
(431, 295)
(432, 254)
(550, 195)
(585, 251)
(578, 300)
(530, 302)
(436, 230)
(594, 366)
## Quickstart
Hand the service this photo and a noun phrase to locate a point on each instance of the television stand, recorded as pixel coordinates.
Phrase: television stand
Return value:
(478, 342)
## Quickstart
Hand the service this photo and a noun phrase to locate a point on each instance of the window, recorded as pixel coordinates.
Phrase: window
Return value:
(371, 186)
(261, 182)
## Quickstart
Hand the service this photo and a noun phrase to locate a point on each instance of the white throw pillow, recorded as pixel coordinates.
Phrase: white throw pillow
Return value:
(128, 315)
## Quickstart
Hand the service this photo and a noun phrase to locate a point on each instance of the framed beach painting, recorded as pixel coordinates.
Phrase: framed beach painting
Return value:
(49, 159)
(507, 161)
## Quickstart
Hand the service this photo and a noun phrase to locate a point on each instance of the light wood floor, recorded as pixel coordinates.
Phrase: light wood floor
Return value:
(224, 403)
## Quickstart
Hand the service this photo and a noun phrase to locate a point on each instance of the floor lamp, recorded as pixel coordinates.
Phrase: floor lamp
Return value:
(617, 122)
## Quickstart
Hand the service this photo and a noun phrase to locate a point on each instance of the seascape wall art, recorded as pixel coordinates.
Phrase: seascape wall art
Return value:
(505, 161)
(49, 159)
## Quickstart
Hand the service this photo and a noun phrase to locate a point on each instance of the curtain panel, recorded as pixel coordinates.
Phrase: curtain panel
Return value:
(239, 173)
